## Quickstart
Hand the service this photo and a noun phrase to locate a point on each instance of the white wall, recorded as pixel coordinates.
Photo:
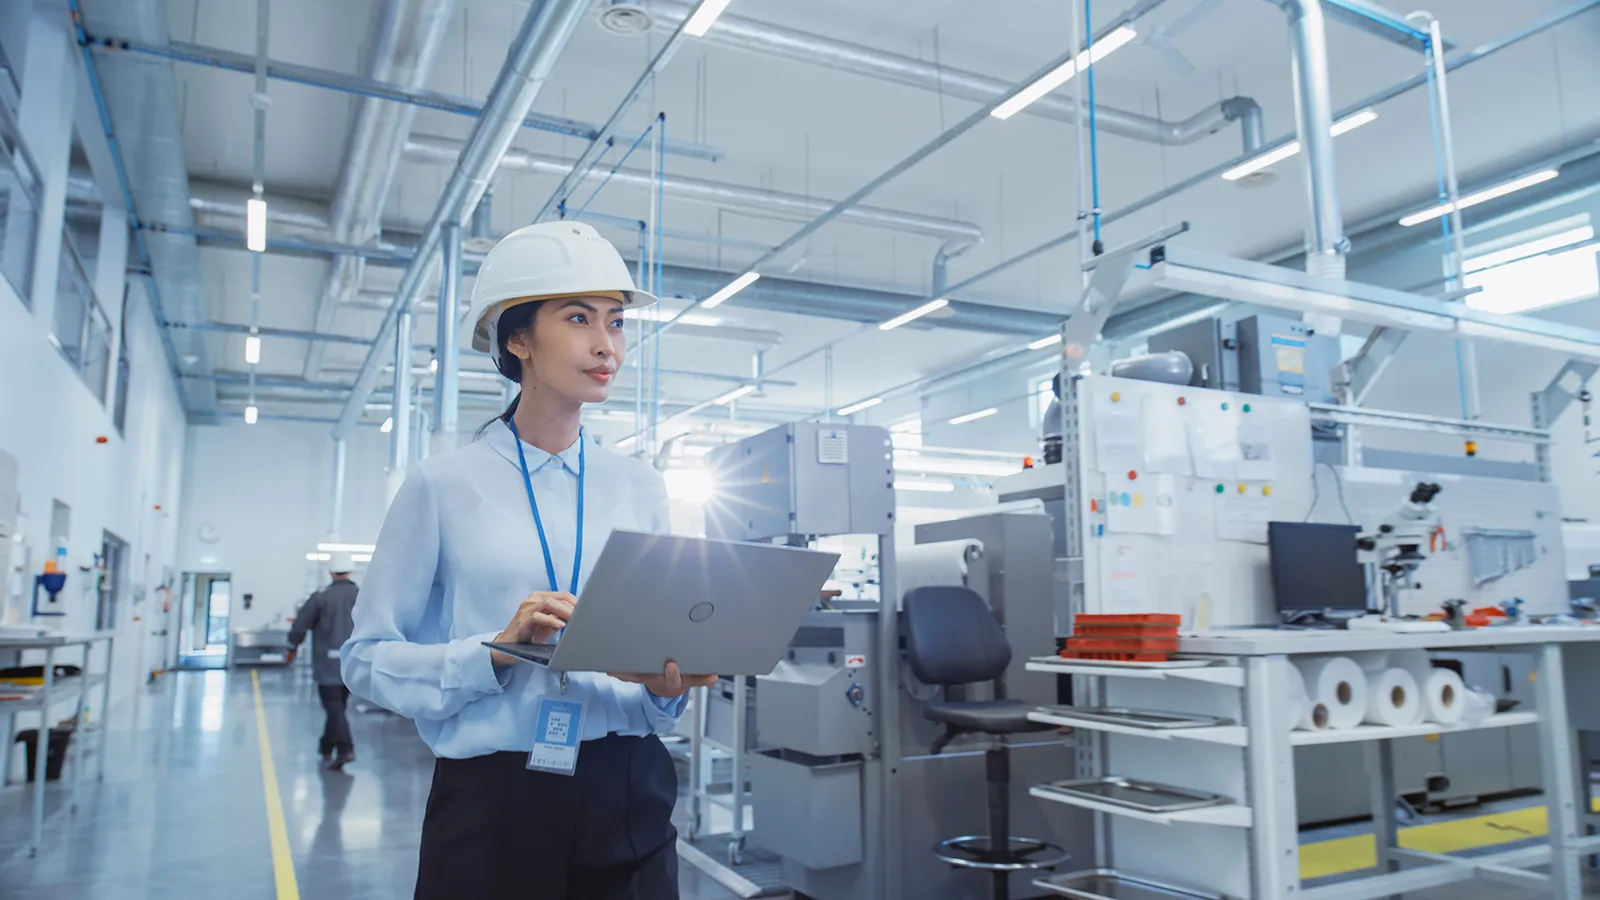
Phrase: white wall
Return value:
(265, 492)
(129, 485)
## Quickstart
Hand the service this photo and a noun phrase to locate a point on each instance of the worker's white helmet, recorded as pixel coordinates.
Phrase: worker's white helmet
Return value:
(341, 564)
(537, 262)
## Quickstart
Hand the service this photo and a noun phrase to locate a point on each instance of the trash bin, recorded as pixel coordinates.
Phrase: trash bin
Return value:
(60, 736)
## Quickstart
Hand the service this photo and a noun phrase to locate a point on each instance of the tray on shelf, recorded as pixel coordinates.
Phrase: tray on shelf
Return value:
(1141, 796)
(1155, 720)
(1109, 884)
(1128, 664)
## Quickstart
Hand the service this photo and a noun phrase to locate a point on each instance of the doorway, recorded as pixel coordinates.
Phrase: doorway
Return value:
(108, 592)
(203, 625)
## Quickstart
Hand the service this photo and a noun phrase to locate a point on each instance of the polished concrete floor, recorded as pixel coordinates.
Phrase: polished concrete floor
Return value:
(182, 812)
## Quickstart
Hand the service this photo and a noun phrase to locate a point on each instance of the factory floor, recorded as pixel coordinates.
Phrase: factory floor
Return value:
(182, 811)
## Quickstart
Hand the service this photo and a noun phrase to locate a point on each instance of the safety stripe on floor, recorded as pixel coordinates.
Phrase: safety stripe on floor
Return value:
(1352, 854)
(277, 829)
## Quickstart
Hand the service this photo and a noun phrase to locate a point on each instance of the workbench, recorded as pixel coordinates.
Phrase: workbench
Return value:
(1250, 847)
(53, 692)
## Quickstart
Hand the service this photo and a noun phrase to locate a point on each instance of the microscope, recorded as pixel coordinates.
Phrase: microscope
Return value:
(1396, 548)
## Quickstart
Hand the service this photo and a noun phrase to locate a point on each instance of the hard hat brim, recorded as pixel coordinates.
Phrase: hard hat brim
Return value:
(481, 341)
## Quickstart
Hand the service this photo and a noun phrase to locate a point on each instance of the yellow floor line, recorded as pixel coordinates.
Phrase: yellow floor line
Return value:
(282, 862)
(1358, 852)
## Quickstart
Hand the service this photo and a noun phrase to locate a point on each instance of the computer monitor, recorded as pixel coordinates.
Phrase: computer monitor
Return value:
(1314, 568)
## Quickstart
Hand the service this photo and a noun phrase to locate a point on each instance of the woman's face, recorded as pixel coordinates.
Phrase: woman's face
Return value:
(575, 347)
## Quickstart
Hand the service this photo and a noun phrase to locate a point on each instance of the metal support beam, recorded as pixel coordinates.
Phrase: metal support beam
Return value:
(289, 333)
(216, 57)
(1326, 244)
(447, 381)
(1355, 377)
(1556, 770)
(400, 411)
(336, 519)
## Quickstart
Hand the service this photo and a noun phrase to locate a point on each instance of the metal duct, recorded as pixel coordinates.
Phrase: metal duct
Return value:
(1326, 244)
(212, 198)
(141, 100)
(405, 36)
(528, 64)
(797, 207)
(772, 40)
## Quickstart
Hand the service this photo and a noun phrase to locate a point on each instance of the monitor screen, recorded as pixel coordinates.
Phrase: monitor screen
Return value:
(1314, 567)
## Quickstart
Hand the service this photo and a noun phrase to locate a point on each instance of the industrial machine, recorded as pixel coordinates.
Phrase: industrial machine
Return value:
(1273, 356)
(844, 787)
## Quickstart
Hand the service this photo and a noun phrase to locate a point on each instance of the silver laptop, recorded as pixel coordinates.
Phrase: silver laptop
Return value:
(714, 607)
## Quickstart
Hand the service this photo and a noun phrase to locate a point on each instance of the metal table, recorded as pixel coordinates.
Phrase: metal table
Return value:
(51, 692)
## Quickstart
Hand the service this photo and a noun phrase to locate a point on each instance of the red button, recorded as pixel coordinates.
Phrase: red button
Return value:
(1182, 401)
(1132, 475)
(1094, 506)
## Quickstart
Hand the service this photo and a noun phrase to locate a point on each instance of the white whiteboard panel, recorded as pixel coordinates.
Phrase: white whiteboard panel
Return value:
(1178, 485)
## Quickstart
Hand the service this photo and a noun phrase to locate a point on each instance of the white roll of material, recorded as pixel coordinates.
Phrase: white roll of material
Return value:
(1299, 703)
(943, 562)
(1393, 698)
(1337, 692)
(1443, 694)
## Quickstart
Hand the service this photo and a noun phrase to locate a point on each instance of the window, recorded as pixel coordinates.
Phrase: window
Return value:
(907, 435)
(119, 399)
(1041, 394)
(1536, 274)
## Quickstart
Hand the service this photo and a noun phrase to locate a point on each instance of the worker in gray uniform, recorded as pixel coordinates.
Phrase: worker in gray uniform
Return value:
(327, 616)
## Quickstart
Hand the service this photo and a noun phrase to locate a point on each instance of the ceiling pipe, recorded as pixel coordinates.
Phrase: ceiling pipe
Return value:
(779, 204)
(770, 41)
(1326, 244)
(405, 38)
(529, 61)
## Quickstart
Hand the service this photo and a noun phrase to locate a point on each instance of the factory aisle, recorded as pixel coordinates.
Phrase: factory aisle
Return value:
(183, 813)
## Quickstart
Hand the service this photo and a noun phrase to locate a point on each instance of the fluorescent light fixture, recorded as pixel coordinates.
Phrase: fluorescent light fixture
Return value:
(927, 487)
(859, 405)
(1483, 196)
(702, 321)
(1042, 343)
(1063, 73)
(336, 547)
(361, 557)
(974, 416)
(433, 365)
(319, 557)
(1250, 166)
(915, 314)
(732, 287)
(704, 15)
(252, 349)
(628, 441)
(251, 414)
(734, 394)
(387, 426)
(255, 224)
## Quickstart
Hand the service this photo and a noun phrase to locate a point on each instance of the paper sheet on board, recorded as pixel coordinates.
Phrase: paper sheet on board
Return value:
(1213, 442)
(1166, 440)
(1243, 517)
(1257, 456)
(1123, 581)
(1119, 440)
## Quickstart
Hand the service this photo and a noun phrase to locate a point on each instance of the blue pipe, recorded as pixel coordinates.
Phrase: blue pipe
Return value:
(1094, 141)
(122, 182)
(607, 180)
(1444, 197)
(660, 201)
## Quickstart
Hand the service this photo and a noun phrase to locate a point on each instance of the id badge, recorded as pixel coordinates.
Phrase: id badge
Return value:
(555, 737)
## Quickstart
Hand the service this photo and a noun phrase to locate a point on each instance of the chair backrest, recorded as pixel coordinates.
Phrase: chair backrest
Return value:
(952, 636)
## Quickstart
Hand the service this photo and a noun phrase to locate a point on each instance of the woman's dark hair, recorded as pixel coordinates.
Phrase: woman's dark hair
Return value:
(512, 321)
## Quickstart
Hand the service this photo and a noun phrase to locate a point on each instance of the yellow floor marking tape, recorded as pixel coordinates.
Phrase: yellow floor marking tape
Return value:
(1350, 854)
(282, 862)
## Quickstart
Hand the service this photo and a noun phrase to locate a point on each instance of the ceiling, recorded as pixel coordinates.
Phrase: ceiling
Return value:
(800, 128)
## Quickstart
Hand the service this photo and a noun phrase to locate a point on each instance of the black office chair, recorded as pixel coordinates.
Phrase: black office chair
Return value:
(952, 638)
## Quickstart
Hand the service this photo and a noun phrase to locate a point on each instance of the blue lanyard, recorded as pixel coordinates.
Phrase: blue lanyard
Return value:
(544, 544)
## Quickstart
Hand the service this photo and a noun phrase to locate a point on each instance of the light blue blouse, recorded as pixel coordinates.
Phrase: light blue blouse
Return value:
(458, 552)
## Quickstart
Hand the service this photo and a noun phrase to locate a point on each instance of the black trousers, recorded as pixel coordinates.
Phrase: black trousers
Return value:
(336, 732)
(493, 829)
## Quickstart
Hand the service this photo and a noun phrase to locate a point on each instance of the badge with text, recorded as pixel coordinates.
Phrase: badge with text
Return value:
(555, 737)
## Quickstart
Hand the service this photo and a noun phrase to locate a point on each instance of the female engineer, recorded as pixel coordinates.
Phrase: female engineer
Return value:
(492, 542)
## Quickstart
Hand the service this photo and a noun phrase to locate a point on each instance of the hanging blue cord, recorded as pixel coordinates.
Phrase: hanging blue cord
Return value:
(1094, 143)
(607, 180)
(1444, 197)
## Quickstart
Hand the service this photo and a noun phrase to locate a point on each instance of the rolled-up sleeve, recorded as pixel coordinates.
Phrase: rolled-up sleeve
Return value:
(389, 658)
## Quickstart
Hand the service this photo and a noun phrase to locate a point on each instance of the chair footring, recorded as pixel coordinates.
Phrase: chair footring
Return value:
(974, 851)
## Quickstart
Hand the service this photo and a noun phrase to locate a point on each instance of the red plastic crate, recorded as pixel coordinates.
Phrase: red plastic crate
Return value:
(1172, 619)
(1124, 645)
(1125, 631)
(1115, 657)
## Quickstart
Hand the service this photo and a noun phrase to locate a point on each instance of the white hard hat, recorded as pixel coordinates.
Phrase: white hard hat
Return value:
(341, 563)
(549, 259)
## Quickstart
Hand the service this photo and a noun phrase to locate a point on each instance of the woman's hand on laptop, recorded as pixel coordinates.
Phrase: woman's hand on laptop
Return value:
(670, 683)
(536, 621)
